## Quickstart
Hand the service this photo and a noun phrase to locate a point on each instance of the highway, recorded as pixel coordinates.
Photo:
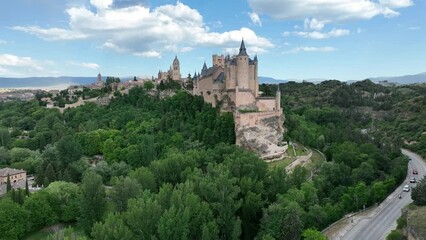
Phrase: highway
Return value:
(378, 226)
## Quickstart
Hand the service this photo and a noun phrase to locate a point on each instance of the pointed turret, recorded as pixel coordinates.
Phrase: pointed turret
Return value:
(255, 58)
(203, 71)
(243, 51)
(176, 60)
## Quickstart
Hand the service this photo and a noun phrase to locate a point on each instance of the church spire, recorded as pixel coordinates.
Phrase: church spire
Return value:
(243, 51)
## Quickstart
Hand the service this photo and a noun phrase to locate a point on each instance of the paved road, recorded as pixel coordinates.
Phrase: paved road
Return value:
(379, 226)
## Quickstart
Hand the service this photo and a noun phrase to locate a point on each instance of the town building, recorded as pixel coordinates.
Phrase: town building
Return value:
(15, 175)
(232, 84)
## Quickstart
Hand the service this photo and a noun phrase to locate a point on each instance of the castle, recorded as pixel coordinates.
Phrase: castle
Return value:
(232, 83)
(173, 73)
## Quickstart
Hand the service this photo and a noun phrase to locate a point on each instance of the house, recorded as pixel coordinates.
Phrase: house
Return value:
(15, 175)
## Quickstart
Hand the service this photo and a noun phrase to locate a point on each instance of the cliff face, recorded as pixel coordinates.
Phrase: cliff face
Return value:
(265, 137)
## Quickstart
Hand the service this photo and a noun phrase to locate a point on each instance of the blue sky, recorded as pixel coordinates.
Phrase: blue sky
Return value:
(332, 39)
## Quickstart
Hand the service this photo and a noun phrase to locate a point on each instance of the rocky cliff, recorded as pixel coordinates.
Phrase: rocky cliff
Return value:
(265, 138)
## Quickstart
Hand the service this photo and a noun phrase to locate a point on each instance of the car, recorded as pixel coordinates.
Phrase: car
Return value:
(415, 171)
(413, 180)
(406, 188)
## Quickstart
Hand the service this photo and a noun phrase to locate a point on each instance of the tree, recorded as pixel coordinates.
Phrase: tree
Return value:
(113, 228)
(148, 85)
(41, 213)
(419, 193)
(122, 190)
(142, 217)
(69, 150)
(313, 234)
(64, 200)
(8, 184)
(50, 175)
(14, 220)
(145, 178)
(92, 201)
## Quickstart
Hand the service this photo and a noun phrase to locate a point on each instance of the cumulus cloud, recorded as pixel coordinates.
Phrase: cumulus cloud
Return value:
(142, 31)
(396, 3)
(93, 66)
(328, 10)
(101, 4)
(255, 18)
(310, 49)
(314, 24)
(18, 66)
(320, 35)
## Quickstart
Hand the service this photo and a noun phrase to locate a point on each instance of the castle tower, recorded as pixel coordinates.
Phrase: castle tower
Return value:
(218, 60)
(176, 69)
(242, 67)
(278, 99)
(99, 81)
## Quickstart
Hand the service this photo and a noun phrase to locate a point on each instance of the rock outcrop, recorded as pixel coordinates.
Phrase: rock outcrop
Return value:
(265, 138)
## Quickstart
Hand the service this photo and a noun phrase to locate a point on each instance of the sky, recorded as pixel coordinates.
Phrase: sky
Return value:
(303, 39)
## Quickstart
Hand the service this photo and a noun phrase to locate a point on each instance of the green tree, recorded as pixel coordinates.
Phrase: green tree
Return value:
(64, 200)
(113, 228)
(8, 184)
(145, 178)
(142, 217)
(50, 175)
(14, 220)
(122, 190)
(419, 193)
(69, 150)
(313, 234)
(148, 85)
(92, 201)
(41, 213)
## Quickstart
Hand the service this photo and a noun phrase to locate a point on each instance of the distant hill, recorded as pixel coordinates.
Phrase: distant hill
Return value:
(44, 82)
(407, 79)
(270, 80)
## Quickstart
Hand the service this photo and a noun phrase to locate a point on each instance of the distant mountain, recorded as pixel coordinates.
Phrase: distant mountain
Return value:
(407, 79)
(270, 80)
(44, 82)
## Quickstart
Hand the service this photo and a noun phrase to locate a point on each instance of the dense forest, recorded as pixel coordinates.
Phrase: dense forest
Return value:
(146, 167)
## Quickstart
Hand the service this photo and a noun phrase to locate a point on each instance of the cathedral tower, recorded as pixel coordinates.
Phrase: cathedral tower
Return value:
(176, 69)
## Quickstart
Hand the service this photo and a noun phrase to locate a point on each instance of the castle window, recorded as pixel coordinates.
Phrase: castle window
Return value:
(208, 92)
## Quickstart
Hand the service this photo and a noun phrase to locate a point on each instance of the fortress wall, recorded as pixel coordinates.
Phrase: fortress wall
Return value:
(252, 119)
(265, 105)
(244, 98)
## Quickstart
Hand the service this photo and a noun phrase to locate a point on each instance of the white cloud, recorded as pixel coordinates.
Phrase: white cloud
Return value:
(93, 66)
(327, 10)
(255, 18)
(320, 35)
(17, 66)
(15, 61)
(3, 42)
(314, 24)
(144, 32)
(52, 34)
(101, 4)
(149, 54)
(310, 49)
(396, 3)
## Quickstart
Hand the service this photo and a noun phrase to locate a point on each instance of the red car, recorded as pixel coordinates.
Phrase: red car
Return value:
(415, 171)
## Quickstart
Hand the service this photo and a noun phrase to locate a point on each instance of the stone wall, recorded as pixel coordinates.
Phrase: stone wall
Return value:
(266, 104)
